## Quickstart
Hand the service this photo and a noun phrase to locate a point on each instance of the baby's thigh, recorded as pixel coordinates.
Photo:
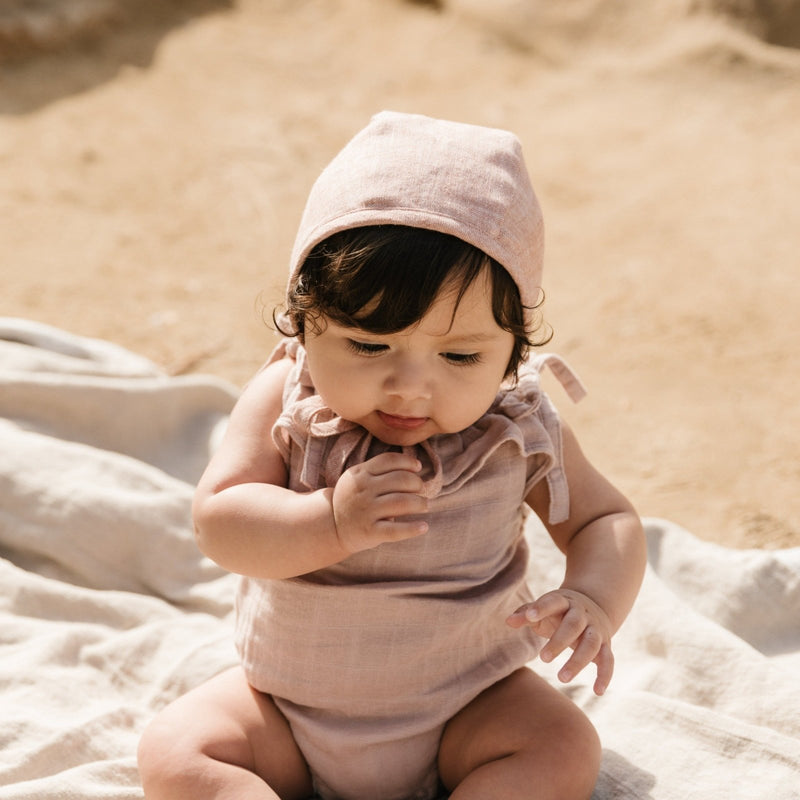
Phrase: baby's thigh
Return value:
(525, 717)
(221, 728)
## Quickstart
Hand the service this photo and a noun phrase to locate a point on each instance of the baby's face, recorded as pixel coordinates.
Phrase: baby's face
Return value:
(438, 376)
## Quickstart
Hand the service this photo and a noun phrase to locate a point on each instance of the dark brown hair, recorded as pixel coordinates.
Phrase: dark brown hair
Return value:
(384, 278)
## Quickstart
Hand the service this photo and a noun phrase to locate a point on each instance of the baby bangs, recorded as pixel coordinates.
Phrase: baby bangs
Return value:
(384, 278)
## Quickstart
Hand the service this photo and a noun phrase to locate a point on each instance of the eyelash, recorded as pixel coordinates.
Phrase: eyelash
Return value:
(462, 359)
(370, 349)
(365, 348)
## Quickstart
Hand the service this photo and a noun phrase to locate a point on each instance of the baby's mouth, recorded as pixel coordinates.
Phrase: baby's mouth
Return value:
(400, 422)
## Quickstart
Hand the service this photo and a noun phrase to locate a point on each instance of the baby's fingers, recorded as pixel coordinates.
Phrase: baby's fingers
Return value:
(569, 633)
(398, 514)
(605, 669)
(391, 462)
(590, 648)
(548, 605)
(394, 530)
(569, 619)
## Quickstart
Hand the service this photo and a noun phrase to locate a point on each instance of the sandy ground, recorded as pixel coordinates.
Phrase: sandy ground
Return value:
(154, 166)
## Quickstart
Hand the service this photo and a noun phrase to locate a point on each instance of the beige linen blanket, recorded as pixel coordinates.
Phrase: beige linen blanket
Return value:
(107, 610)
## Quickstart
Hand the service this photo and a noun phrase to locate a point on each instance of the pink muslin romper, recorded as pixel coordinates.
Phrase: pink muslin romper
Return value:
(369, 658)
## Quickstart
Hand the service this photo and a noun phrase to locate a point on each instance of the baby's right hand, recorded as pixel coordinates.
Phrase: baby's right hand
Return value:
(371, 499)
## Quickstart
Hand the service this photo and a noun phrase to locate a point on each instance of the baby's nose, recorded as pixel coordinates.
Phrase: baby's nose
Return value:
(409, 379)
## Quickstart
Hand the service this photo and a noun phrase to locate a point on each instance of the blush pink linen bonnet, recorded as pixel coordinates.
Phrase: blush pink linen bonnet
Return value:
(465, 180)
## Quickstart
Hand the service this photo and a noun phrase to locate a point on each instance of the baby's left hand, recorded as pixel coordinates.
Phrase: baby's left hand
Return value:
(567, 618)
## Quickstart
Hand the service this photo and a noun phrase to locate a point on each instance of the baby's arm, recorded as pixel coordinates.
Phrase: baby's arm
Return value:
(247, 521)
(606, 556)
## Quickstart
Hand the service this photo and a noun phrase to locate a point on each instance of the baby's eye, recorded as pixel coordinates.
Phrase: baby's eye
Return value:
(366, 348)
(462, 359)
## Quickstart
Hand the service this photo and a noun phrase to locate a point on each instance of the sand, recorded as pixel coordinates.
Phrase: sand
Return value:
(155, 157)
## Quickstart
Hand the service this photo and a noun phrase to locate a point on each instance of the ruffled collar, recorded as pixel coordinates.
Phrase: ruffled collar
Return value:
(330, 444)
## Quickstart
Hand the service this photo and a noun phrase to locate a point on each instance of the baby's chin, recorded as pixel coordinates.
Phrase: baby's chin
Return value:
(400, 438)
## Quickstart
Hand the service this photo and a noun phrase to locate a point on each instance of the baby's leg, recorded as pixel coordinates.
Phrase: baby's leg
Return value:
(521, 738)
(222, 741)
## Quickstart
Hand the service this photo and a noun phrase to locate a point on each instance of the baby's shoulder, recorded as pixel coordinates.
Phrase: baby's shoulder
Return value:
(263, 394)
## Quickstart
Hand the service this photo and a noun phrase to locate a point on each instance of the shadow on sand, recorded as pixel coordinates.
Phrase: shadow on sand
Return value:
(51, 49)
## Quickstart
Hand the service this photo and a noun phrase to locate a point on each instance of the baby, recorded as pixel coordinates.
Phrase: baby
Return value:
(371, 490)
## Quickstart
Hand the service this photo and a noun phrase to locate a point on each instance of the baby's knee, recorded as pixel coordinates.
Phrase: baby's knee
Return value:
(564, 756)
(585, 736)
(578, 751)
(163, 760)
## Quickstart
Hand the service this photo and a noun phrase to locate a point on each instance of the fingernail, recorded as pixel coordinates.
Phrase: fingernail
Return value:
(532, 615)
